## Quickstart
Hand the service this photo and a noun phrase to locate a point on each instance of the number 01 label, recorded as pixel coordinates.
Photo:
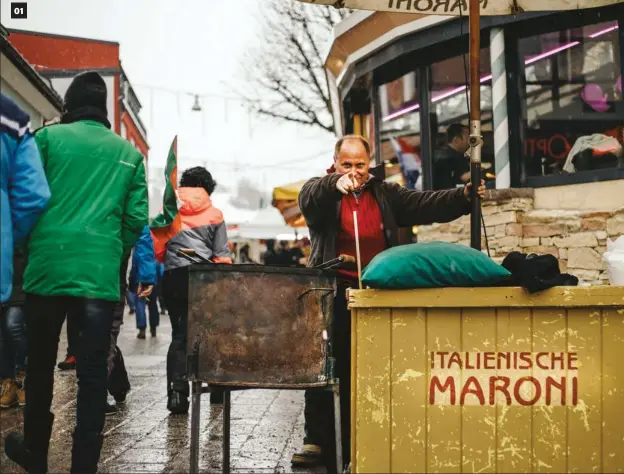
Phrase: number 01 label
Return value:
(19, 10)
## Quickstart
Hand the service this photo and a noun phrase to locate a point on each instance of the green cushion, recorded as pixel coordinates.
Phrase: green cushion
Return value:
(432, 265)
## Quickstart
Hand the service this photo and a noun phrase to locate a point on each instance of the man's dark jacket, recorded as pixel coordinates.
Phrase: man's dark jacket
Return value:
(319, 201)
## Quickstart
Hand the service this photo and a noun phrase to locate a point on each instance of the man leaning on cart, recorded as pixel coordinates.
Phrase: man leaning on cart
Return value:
(383, 208)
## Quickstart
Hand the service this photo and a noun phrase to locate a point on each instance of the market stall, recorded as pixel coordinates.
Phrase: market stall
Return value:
(266, 224)
(488, 380)
(285, 199)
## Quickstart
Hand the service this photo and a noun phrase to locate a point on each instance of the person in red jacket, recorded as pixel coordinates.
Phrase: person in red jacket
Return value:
(383, 208)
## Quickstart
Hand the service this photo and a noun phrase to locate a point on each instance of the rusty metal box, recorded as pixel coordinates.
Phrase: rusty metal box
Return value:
(259, 326)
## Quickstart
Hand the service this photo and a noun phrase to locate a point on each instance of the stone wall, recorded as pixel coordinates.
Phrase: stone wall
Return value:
(577, 238)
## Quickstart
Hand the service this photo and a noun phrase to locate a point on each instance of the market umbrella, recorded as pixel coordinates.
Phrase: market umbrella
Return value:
(285, 199)
(474, 8)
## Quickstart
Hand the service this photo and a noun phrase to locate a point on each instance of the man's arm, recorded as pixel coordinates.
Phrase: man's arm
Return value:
(318, 198)
(28, 188)
(135, 211)
(427, 207)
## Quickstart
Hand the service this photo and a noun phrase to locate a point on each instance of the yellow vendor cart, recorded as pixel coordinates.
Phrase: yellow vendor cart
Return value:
(488, 380)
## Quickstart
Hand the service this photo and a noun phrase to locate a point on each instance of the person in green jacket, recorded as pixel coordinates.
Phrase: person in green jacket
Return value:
(96, 212)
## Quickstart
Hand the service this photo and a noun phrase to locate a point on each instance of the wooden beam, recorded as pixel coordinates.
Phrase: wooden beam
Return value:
(568, 297)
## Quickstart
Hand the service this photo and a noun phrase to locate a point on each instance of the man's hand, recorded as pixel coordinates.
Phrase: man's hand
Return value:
(480, 191)
(144, 291)
(347, 184)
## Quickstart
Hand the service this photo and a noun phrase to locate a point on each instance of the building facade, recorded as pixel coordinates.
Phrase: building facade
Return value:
(21, 82)
(59, 58)
(549, 83)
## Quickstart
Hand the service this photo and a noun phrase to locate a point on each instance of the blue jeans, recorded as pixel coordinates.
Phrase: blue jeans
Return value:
(13, 342)
(154, 314)
(132, 300)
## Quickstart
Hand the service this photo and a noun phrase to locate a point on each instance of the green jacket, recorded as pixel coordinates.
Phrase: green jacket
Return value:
(97, 210)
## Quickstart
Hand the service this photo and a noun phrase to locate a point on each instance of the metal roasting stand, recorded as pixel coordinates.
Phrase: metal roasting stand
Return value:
(200, 387)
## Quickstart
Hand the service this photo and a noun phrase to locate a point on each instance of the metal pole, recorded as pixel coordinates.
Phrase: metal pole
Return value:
(338, 427)
(226, 431)
(195, 410)
(475, 123)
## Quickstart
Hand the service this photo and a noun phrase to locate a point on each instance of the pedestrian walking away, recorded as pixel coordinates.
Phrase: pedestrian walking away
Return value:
(13, 342)
(24, 193)
(97, 210)
(143, 274)
(327, 204)
(204, 231)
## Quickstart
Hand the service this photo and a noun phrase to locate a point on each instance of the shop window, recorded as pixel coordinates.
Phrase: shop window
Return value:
(571, 101)
(448, 109)
(400, 131)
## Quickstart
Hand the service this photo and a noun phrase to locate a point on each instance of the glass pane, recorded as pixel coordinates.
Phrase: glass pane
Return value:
(572, 88)
(400, 131)
(449, 120)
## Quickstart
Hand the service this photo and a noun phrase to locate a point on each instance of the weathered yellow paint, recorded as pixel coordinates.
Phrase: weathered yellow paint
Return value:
(612, 390)
(479, 423)
(584, 335)
(409, 376)
(396, 429)
(443, 422)
(549, 422)
(513, 423)
(373, 394)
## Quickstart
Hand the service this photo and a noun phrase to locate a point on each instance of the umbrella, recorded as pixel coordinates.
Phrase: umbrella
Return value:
(474, 8)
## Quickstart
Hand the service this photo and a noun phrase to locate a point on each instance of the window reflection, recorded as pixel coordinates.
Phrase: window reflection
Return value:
(571, 116)
(400, 131)
(449, 120)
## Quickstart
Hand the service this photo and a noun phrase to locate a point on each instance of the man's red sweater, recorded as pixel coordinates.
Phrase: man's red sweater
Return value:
(370, 226)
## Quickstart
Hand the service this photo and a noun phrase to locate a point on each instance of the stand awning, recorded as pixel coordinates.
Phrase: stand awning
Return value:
(285, 199)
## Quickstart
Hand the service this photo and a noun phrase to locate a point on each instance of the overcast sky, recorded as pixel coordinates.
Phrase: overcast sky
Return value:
(190, 46)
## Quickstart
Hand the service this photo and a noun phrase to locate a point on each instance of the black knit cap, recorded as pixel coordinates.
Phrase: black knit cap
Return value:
(88, 89)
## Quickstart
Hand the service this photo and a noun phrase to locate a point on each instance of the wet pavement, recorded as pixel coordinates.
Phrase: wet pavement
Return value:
(266, 428)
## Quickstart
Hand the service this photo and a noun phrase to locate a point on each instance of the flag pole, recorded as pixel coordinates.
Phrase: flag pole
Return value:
(475, 122)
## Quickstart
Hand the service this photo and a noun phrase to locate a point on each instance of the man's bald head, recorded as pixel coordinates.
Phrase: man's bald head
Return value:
(352, 155)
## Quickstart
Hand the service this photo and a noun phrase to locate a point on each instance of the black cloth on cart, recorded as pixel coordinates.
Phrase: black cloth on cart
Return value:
(536, 272)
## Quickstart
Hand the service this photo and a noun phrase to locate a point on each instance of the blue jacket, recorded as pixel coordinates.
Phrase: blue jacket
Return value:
(143, 262)
(23, 186)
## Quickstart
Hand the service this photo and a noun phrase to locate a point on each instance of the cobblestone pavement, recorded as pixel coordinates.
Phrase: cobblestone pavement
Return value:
(266, 429)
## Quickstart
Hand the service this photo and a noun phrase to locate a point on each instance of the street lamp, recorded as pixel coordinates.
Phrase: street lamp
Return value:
(196, 105)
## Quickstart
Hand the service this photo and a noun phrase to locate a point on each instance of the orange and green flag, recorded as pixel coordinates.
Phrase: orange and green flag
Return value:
(168, 223)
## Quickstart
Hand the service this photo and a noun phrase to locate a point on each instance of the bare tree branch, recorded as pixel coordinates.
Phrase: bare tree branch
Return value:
(285, 76)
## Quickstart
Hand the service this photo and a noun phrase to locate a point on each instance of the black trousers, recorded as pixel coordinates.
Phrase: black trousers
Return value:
(319, 408)
(175, 292)
(44, 320)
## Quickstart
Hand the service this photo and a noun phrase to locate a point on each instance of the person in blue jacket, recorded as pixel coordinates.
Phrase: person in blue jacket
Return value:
(144, 271)
(23, 187)
(24, 195)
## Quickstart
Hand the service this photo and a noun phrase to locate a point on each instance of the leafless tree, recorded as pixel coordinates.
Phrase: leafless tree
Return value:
(285, 77)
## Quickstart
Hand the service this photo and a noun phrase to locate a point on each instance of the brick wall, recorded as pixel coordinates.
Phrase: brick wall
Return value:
(577, 238)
